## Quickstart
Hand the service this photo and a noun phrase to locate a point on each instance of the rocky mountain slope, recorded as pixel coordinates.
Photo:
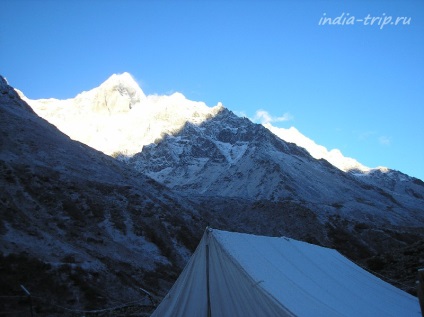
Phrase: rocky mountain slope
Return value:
(228, 156)
(249, 178)
(78, 228)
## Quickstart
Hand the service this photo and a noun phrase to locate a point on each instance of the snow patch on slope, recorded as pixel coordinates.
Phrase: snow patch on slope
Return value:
(124, 246)
(232, 152)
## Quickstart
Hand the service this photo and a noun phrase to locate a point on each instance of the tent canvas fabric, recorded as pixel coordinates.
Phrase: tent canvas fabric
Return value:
(237, 274)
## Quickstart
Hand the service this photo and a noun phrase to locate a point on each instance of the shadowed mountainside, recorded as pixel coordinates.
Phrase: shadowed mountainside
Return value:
(78, 228)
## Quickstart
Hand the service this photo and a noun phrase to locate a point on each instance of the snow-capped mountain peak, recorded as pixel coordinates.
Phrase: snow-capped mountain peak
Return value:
(119, 93)
(117, 117)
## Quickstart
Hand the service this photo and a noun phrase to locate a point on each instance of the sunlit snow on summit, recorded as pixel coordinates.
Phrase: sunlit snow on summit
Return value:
(117, 117)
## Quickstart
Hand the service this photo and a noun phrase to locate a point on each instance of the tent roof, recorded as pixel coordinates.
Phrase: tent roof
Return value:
(248, 275)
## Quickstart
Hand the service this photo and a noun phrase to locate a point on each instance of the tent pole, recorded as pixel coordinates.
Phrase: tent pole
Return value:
(420, 289)
(207, 273)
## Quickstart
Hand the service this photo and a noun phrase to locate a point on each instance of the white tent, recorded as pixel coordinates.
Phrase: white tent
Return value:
(235, 274)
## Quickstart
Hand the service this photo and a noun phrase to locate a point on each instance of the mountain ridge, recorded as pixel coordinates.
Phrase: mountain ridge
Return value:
(142, 105)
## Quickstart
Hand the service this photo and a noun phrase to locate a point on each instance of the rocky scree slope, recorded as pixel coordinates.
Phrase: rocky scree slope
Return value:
(78, 228)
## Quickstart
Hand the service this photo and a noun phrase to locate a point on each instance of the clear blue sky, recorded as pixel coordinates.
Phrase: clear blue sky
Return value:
(356, 87)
